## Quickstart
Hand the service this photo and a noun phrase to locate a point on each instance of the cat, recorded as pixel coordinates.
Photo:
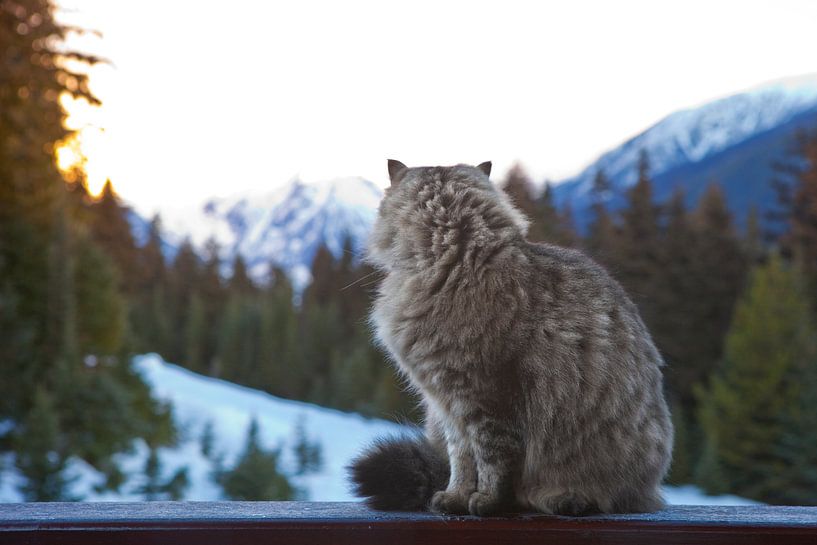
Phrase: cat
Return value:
(541, 386)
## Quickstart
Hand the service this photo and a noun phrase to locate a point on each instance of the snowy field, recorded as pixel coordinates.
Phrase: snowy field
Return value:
(228, 408)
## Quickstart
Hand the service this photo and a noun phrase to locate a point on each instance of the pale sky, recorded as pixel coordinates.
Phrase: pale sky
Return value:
(211, 98)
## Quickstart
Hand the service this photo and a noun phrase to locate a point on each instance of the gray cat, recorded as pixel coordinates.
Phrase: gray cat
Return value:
(541, 386)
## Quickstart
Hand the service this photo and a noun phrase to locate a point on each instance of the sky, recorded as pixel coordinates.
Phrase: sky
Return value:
(204, 99)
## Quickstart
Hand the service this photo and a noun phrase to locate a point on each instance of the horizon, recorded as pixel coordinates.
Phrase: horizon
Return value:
(285, 95)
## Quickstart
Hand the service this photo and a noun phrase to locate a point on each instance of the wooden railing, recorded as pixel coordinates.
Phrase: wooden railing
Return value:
(267, 523)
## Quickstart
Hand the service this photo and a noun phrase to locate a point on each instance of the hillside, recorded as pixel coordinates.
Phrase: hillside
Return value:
(197, 400)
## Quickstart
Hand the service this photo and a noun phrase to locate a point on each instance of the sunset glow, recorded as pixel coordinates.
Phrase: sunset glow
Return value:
(224, 108)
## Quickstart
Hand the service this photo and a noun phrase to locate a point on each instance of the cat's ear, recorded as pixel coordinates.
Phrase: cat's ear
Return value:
(485, 167)
(396, 171)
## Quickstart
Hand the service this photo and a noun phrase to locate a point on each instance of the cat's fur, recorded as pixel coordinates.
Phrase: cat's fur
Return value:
(541, 385)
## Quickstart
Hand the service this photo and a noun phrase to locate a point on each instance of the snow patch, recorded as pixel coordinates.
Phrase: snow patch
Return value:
(197, 400)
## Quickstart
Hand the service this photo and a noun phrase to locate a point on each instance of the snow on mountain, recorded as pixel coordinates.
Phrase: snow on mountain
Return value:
(733, 141)
(693, 135)
(284, 227)
(197, 400)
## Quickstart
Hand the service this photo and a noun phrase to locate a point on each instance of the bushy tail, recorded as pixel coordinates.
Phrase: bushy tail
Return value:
(399, 474)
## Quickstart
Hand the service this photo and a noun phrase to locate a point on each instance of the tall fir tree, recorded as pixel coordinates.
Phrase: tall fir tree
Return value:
(636, 259)
(67, 328)
(112, 232)
(798, 194)
(41, 454)
(770, 342)
(601, 232)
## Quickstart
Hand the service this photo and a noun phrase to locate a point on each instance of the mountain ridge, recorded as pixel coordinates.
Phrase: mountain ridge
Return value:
(693, 147)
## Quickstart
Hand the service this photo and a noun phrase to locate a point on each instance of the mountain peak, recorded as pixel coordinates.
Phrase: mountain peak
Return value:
(285, 227)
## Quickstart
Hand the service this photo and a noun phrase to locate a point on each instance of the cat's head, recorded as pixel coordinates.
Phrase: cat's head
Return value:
(425, 208)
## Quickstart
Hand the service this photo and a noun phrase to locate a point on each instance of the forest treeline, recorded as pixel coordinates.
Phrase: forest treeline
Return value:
(733, 313)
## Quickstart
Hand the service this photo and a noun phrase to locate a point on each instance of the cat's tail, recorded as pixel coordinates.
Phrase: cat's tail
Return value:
(399, 474)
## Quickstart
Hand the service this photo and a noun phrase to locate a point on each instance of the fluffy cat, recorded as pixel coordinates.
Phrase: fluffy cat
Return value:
(541, 386)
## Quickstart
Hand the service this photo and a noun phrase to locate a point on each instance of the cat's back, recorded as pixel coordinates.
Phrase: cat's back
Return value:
(573, 275)
(582, 308)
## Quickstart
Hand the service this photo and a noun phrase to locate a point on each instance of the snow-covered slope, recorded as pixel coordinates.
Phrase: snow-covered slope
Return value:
(284, 227)
(692, 135)
(197, 400)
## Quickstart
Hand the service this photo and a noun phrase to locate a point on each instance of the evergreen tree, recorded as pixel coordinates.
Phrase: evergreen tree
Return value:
(552, 225)
(112, 232)
(256, 476)
(240, 281)
(195, 330)
(155, 487)
(214, 296)
(152, 326)
(753, 245)
(101, 309)
(183, 276)
(636, 260)
(770, 342)
(519, 188)
(67, 318)
(601, 233)
(208, 438)
(279, 361)
(719, 266)
(799, 199)
(308, 453)
(40, 454)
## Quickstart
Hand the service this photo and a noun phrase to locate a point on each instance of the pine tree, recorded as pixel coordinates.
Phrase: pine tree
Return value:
(799, 199)
(771, 339)
(677, 321)
(519, 188)
(240, 281)
(719, 266)
(636, 259)
(753, 245)
(101, 309)
(112, 232)
(551, 225)
(183, 276)
(155, 487)
(602, 230)
(279, 360)
(208, 438)
(195, 329)
(308, 453)
(72, 393)
(40, 454)
(256, 476)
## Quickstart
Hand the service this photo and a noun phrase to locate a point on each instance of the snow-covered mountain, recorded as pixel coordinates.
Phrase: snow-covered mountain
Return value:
(197, 401)
(732, 141)
(285, 227)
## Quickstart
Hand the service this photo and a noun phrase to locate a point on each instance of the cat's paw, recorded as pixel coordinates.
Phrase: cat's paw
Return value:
(449, 503)
(483, 505)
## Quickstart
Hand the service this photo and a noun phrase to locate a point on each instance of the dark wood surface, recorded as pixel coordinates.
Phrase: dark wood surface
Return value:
(339, 523)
